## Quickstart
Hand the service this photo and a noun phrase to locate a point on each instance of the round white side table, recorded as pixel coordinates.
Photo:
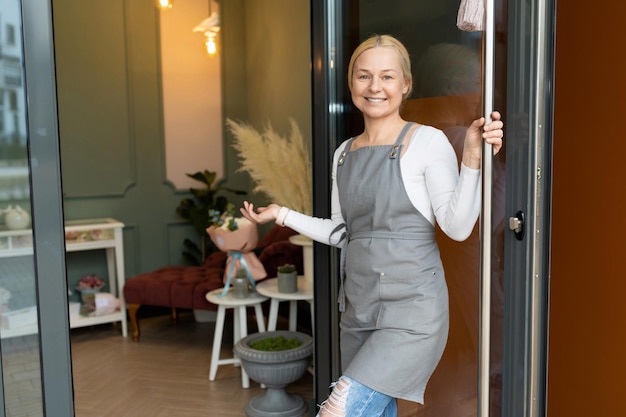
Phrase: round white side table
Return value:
(239, 306)
(269, 288)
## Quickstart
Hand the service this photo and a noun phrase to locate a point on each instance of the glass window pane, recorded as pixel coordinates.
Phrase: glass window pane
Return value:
(18, 311)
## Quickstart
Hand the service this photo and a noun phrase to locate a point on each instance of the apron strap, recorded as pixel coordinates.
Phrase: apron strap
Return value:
(345, 151)
(396, 146)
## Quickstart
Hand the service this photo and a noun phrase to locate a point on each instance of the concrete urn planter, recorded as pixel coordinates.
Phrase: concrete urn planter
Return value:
(275, 369)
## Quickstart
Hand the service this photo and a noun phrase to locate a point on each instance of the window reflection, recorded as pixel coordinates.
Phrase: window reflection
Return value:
(18, 310)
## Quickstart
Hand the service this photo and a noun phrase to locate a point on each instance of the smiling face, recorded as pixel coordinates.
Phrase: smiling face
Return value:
(378, 83)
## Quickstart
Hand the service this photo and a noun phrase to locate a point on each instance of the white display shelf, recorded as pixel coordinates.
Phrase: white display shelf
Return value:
(81, 321)
(78, 321)
(80, 235)
(19, 331)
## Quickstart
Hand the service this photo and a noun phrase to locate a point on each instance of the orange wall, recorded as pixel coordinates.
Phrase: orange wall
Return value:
(587, 352)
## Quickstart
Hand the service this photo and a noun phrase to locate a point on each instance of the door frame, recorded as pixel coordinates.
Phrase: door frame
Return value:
(324, 123)
(530, 101)
(47, 209)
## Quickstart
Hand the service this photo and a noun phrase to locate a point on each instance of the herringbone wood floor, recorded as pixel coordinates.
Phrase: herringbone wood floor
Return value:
(165, 374)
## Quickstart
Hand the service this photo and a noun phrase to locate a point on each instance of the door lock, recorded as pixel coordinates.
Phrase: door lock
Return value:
(516, 224)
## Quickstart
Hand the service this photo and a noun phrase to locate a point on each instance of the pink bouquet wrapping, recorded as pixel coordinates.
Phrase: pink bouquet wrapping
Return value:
(239, 245)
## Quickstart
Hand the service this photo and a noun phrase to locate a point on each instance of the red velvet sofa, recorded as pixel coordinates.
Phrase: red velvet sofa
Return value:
(186, 286)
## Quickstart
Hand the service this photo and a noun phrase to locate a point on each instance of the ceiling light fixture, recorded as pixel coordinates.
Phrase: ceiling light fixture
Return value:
(164, 4)
(210, 27)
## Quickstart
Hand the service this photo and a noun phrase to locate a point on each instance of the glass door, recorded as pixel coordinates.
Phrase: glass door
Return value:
(449, 78)
(34, 335)
(18, 305)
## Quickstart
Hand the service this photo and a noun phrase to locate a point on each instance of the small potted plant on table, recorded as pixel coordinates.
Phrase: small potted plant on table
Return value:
(275, 359)
(287, 278)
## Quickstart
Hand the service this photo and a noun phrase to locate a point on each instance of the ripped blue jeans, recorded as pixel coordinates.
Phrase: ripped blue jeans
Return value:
(350, 398)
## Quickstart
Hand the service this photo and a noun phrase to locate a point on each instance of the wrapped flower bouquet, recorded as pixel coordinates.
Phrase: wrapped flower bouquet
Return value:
(238, 237)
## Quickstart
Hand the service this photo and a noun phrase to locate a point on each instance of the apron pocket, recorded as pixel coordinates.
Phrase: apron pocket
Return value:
(413, 302)
(403, 285)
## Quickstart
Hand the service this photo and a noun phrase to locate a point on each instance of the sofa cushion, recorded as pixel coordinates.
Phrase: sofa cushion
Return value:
(174, 286)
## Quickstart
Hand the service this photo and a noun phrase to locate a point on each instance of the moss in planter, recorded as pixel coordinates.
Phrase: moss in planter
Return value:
(275, 343)
(286, 269)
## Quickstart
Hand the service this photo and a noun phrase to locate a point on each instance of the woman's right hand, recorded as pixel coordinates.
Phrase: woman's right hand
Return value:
(261, 215)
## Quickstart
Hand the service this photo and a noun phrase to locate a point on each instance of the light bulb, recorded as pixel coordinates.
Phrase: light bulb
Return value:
(211, 46)
(164, 4)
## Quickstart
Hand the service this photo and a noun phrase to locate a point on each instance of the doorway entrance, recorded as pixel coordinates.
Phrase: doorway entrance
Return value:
(449, 76)
(338, 26)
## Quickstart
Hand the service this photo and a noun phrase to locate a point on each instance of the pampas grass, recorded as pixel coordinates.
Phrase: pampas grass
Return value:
(279, 166)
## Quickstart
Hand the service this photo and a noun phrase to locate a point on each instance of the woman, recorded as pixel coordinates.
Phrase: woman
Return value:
(390, 184)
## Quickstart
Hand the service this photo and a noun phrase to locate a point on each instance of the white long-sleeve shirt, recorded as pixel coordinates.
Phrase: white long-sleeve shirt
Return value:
(431, 177)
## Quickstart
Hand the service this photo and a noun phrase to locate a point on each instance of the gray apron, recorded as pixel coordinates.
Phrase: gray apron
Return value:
(394, 323)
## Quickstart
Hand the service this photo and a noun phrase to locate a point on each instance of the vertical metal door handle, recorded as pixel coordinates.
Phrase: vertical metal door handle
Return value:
(484, 327)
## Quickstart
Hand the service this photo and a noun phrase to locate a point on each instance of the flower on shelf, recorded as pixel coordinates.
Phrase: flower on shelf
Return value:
(225, 220)
(86, 235)
(90, 282)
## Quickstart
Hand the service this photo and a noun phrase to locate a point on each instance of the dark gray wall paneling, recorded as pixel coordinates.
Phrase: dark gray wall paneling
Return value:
(111, 125)
(111, 131)
(94, 77)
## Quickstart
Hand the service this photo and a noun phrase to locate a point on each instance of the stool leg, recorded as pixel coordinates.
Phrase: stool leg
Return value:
(271, 322)
(293, 315)
(132, 313)
(259, 318)
(236, 331)
(243, 329)
(217, 341)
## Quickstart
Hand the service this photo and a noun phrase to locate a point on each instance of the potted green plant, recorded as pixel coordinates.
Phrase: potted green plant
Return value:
(287, 278)
(275, 359)
(198, 210)
(241, 286)
(276, 343)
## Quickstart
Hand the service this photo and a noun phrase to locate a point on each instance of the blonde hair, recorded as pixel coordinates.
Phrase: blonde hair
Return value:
(384, 41)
